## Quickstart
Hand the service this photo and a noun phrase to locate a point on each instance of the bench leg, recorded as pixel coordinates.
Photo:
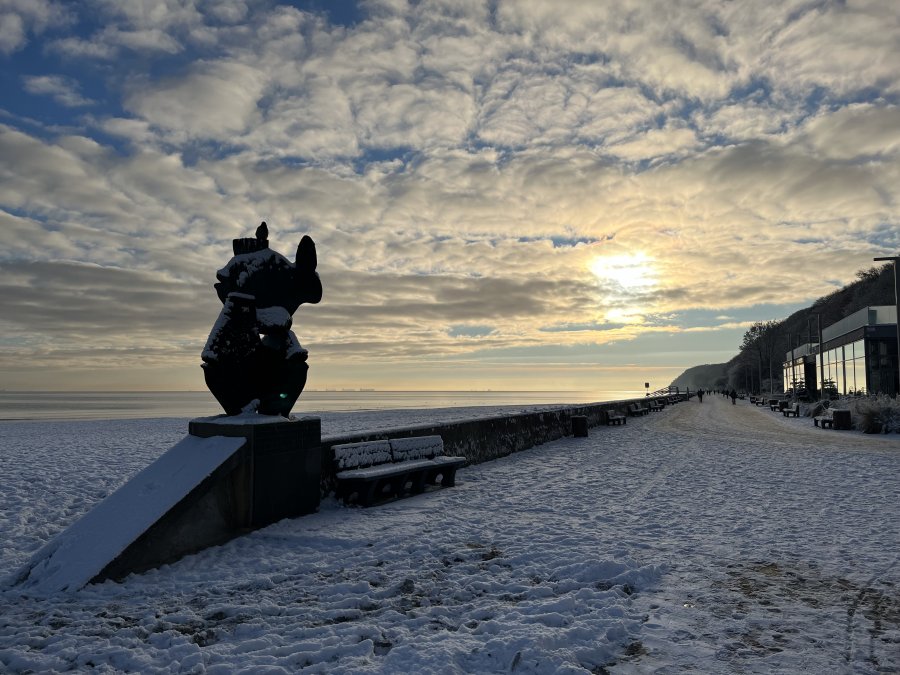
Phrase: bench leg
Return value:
(345, 489)
(367, 493)
(448, 476)
(418, 483)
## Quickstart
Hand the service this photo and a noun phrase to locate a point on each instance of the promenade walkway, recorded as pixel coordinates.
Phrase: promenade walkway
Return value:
(783, 540)
(707, 538)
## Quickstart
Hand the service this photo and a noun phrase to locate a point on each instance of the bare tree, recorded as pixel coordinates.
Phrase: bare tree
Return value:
(761, 339)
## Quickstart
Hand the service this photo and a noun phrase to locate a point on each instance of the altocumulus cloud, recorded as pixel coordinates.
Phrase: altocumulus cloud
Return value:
(438, 153)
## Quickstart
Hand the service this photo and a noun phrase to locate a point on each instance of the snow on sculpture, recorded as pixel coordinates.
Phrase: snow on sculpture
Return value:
(252, 359)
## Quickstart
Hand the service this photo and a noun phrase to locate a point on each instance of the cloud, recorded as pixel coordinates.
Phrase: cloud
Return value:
(656, 143)
(144, 26)
(18, 18)
(12, 32)
(861, 132)
(838, 46)
(438, 152)
(63, 90)
(214, 100)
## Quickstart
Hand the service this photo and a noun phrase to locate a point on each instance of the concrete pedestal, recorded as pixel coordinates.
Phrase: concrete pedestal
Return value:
(281, 466)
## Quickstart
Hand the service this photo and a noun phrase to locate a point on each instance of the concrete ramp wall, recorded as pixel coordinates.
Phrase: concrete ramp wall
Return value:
(183, 475)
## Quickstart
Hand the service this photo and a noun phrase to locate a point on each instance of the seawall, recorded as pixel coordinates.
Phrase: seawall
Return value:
(483, 439)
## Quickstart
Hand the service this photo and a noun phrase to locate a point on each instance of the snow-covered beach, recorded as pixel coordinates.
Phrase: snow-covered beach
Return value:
(706, 538)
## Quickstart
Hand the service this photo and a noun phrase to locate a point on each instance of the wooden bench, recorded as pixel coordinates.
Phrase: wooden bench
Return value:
(376, 470)
(635, 409)
(793, 410)
(823, 421)
(656, 406)
(609, 417)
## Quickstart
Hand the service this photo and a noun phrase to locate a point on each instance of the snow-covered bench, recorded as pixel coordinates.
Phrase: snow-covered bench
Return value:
(636, 409)
(373, 470)
(836, 418)
(823, 421)
(609, 417)
(793, 410)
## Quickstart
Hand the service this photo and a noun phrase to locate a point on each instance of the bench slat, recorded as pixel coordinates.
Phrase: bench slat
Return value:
(398, 468)
(417, 447)
(363, 454)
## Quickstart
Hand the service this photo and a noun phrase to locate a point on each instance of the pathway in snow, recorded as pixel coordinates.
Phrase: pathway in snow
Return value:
(785, 554)
(706, 538)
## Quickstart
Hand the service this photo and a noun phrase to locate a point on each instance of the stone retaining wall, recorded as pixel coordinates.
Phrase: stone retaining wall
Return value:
(481, 440)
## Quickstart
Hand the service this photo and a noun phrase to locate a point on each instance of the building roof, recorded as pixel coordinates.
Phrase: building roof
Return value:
(867, 316)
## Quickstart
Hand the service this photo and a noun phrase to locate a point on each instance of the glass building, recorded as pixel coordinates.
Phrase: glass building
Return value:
(799, 368)
(858, 355)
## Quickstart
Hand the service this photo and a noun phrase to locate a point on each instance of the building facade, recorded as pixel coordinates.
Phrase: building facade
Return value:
(858, 355)
(800, 369)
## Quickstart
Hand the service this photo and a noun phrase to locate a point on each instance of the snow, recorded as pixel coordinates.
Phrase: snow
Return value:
(247, 264)
(366, 453)
(249, 416)
(705, 538)
(294, 347)
(273, 317)
(80, 552)
(417, 447)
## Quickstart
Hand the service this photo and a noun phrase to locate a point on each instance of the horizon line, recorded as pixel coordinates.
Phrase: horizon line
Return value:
(361, 390)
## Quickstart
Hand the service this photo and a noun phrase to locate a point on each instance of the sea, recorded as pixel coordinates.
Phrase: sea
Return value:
(98, 405)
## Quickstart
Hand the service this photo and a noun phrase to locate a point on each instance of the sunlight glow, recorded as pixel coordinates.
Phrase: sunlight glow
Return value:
(633, 272)
(624, 278)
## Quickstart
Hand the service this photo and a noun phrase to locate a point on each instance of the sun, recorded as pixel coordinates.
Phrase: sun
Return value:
(630, 272)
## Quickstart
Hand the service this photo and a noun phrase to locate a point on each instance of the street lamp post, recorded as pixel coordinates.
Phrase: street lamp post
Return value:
(894, 260)
(821, 358)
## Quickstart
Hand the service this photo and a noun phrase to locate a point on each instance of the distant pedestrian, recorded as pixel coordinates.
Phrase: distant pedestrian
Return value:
(733, 395)
(700, 395)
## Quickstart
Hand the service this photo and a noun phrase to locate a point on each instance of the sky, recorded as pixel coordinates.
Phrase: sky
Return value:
(507, 195)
